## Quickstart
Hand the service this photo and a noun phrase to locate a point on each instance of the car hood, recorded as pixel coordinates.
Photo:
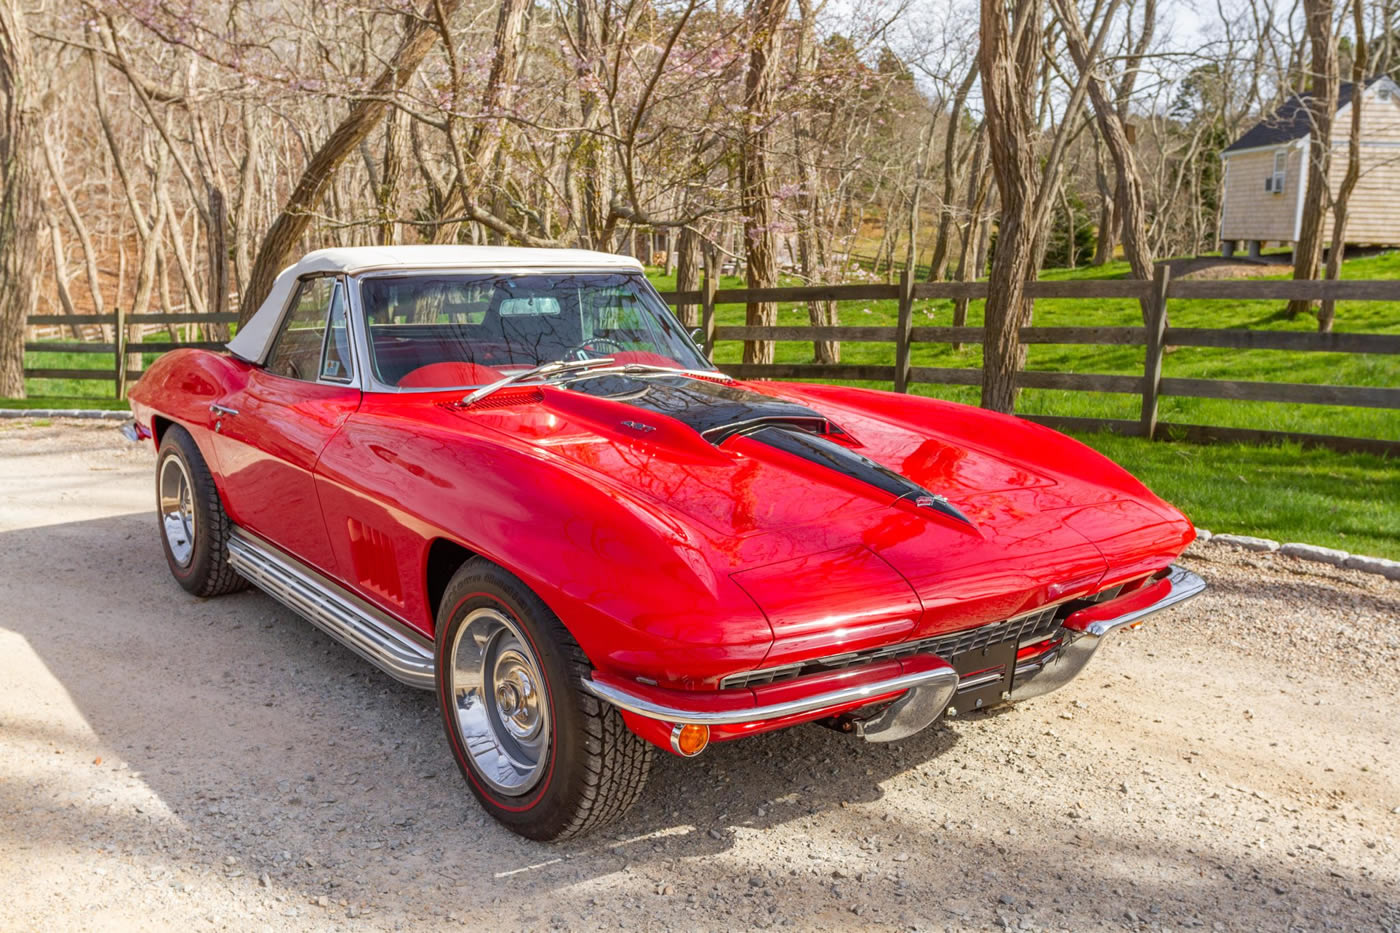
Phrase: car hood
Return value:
(973, 515)
(704, 449)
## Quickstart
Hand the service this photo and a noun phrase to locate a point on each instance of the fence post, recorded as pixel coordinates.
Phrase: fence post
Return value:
(1156, 326)
(707, 303)
(903, 330)
(119, 341)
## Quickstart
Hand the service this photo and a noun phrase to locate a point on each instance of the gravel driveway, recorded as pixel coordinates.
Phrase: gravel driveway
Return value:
(169, 762)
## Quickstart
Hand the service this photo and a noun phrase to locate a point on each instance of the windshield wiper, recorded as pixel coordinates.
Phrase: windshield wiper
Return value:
(542, 371)
(669, 370)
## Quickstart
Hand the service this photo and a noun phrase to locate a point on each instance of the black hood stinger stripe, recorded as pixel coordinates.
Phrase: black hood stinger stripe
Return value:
(718, 412)
(842, 459)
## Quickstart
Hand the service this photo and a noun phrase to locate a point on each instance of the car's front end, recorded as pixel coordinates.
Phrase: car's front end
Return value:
(890, 692)
(906, 562)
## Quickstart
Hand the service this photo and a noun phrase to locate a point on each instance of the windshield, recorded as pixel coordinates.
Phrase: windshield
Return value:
(458, 330)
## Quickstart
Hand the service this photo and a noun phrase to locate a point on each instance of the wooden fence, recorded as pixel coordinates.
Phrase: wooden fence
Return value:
(121, 349)
(1155, 337)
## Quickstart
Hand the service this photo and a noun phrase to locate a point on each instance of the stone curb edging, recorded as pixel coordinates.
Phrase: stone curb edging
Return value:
(94, 414)
(1390, 569)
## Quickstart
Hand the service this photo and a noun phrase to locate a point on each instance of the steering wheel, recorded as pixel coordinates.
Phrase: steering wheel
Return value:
(591, 346)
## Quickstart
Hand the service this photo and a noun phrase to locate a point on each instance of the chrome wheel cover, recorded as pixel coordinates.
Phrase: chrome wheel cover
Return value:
(498, 696)
(177, 519)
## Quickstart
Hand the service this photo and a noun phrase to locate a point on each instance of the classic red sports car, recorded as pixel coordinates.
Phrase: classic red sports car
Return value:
(510, 476)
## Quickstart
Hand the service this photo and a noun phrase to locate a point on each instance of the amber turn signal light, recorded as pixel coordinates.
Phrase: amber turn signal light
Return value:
(690, 739)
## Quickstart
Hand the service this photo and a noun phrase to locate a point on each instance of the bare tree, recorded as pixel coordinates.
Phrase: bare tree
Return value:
(365, 113)
(474, 149)
(1009, 61)
(765, 22)
(20, 203)
(1011, 65)
(1128, 190)
(1322, 109)
(1341, 205)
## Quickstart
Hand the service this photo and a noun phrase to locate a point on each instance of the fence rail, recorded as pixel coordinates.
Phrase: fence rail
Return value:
(1155, 337)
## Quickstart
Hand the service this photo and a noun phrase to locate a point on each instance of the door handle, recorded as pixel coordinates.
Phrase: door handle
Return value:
(222, 410)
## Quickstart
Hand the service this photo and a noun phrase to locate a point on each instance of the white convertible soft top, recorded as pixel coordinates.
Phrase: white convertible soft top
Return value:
(254, 339)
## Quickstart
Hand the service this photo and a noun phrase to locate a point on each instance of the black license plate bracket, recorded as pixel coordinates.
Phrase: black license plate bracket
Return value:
(986, 675)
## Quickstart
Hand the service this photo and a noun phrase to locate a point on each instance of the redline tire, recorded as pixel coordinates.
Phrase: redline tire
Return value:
(588, 770)
(199, 564)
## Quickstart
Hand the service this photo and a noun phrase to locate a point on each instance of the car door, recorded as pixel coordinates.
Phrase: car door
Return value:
(270, 434)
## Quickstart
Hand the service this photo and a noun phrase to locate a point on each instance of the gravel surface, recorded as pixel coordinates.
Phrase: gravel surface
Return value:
(219, 764)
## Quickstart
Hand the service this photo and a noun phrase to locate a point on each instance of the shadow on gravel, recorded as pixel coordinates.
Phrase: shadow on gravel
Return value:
(272, 745)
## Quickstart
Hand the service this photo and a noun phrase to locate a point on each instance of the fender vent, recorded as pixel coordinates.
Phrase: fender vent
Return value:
(505, 398)
(373, 555)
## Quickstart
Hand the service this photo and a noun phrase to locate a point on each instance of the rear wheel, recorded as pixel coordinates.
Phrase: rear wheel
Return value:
(194, 527)
(545, 758)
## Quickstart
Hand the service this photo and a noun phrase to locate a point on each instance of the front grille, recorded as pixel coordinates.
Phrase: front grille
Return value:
(1029, 627)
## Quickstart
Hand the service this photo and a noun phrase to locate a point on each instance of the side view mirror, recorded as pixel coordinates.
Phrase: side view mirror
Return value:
(697, 335)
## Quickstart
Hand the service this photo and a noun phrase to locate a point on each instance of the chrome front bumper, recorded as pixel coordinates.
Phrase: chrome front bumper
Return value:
(926, 694)
(927, 690)
(1058, 667)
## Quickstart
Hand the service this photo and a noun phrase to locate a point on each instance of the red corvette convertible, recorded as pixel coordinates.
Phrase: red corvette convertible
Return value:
(509, 476)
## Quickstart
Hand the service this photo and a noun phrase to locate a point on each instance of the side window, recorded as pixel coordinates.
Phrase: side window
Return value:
(336, 365)
(305, 347)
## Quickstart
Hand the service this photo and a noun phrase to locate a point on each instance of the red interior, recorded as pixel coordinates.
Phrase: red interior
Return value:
(645, 357)
(454, 373)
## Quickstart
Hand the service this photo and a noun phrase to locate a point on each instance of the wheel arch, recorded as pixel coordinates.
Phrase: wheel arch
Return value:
(159, 425)
(443, 559)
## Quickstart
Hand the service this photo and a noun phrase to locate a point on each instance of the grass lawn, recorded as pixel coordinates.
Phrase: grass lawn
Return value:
(1346, 501)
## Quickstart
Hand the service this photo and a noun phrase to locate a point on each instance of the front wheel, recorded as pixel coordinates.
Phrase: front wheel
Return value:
(194, 527)
(545, 758)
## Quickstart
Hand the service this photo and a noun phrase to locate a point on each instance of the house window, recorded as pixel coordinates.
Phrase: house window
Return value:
(1383, 94)
(1274, 182)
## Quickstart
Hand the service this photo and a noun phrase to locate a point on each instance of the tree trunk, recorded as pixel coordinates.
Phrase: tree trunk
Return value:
(60, 274)
(76, 219)
(1341, 208)
(1009, 62)
(813, 254)
(688, 276)
(596, 225)
(217, 302)
(1322, 108)
(365, 113)
(20, 206)
(969, 257)
(243, 213)
(756, 184)
(1071, 248)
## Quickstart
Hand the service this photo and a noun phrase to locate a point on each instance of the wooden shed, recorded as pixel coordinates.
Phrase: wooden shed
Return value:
(1266, 177)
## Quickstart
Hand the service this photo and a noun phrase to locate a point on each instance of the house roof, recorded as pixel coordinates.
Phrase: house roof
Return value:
(254, 338)
(1290, 121)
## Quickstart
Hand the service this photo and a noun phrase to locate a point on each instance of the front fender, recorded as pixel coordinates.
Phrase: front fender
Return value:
(635, 586)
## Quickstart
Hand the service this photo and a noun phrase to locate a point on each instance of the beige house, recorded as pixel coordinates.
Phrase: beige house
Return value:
(1266, 177)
